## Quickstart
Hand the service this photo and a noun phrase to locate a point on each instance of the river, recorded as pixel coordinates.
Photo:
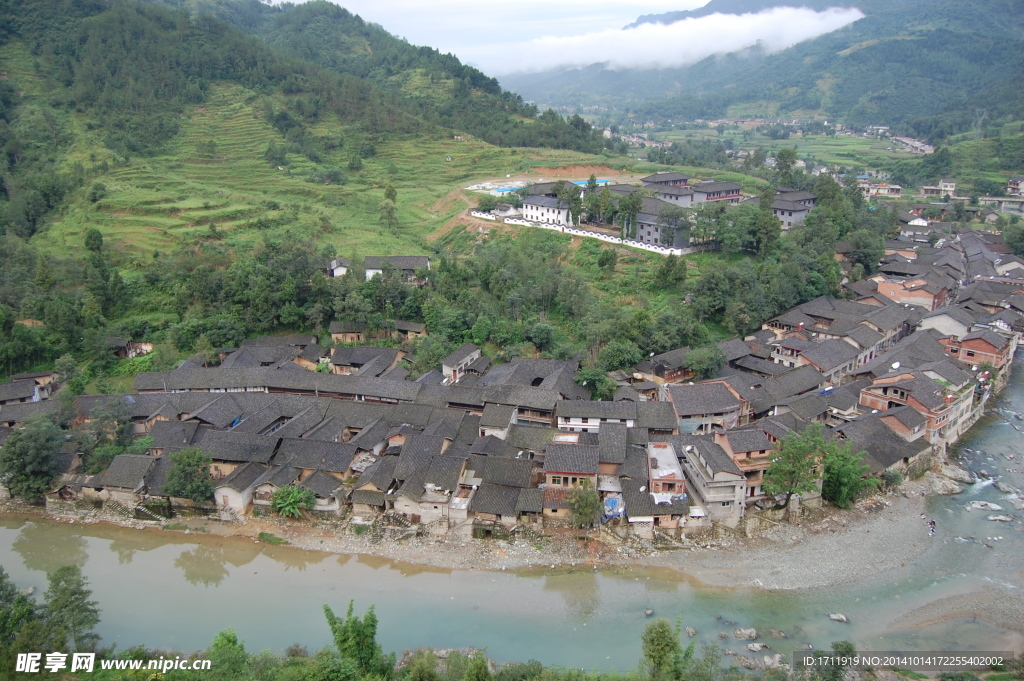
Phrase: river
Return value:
(171, 590)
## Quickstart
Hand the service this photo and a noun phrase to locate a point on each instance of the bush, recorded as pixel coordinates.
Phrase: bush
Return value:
(290, 501)
(892, 479)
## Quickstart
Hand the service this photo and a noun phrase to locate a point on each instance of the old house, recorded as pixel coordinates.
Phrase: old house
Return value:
(406, 266)
(703, 407)
(716, 485)
(455, 365)
(26, 390)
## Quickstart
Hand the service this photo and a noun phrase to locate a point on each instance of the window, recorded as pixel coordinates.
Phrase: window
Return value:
(970, 353)
(726, 503)
(556, 480)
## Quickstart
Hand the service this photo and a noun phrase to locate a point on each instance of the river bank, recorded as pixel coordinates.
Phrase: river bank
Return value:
(885, 529)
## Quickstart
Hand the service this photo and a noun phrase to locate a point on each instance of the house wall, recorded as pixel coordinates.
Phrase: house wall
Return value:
(236, 501)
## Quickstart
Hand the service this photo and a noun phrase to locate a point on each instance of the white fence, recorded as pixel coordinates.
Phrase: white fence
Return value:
(608, 238)
(482, 215)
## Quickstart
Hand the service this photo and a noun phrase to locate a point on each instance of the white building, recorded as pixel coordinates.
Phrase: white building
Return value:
(545, 209)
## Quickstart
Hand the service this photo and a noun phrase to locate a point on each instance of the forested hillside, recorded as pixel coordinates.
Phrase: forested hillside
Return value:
(905, 63)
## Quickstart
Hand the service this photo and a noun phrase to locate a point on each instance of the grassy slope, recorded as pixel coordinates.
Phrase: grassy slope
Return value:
(162, 202)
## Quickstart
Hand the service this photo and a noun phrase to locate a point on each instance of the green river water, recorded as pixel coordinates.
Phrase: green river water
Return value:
(171, 590)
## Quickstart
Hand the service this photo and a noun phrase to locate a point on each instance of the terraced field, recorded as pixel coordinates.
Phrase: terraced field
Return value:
(159, 202)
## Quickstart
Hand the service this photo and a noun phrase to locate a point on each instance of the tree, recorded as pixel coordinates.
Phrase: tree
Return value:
(388, 213)
(205, 350)
(69, 612)
(629, 208)
(291, 500)
(661, 648)
(671, 272)
(607, 259)
(477, 669)
(867, 249)
(390, 193)
(15, 610)
(767, 227)
(486, 202)
(705, 362)
(28, 458)
(669, 219)
(356, 640)
(843, 477)
(481, 330)
(597, 382)
(189, 476)
(584, 503)
(794, 467)
(66, 368)
(93, 240)
(620, 354)
(785, 161)
(541, 335)
(227, 656)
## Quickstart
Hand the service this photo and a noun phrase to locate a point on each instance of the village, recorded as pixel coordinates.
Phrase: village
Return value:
(900, 368)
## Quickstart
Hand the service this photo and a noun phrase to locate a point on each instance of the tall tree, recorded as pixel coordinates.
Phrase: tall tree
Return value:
(356, 640)
(69, 611)
(795, 464)
(584, 504)
(661, 648)
(189, 476)
(28, 458)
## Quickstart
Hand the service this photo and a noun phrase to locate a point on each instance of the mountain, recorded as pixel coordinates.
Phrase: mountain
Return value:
(125, 76)
(904, 61)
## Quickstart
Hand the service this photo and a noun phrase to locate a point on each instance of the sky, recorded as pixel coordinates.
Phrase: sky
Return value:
(533, 35)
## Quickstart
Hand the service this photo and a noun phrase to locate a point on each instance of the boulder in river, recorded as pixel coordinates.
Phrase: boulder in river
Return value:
(745, 634)
(983, 506)
(756, 647)
(724, 636)
(648, 613)
(691, 632)
(776, 661)
(942, 485)
(1001, 518)
(954, 472)
(1003, 487)
(838, 617)
(747, 662)
(776, 633)
(27, 591)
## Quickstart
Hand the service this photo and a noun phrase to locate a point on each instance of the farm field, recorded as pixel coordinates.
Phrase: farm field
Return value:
(158, 202)
(840, 150)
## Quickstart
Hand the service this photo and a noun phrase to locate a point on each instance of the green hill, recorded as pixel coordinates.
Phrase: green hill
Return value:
(905, 61)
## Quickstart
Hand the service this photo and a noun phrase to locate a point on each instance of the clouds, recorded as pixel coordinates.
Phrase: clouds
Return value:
(456, 25)
(657, 45)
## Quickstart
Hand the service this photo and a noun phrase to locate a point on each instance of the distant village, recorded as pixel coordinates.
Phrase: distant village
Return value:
(899, 369)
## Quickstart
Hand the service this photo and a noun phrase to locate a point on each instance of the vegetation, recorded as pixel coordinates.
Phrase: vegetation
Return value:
(189, 476)
(291, 500)
(28, 458)
(65, 621)
(796, 464)
(584, 504)
(844, 476)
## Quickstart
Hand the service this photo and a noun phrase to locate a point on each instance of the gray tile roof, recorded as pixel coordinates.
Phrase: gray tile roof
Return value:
(235, 447)
(126, 471)
(702, 398)
(600, 410)
(505, 471)
(17, 390)
(243, 477)
(495, 499)
(531, 500)
(321, 483)
(497, 416)
(334, 457)
(566, 458)
(612, 442)
(748, 440)
(462, 353)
